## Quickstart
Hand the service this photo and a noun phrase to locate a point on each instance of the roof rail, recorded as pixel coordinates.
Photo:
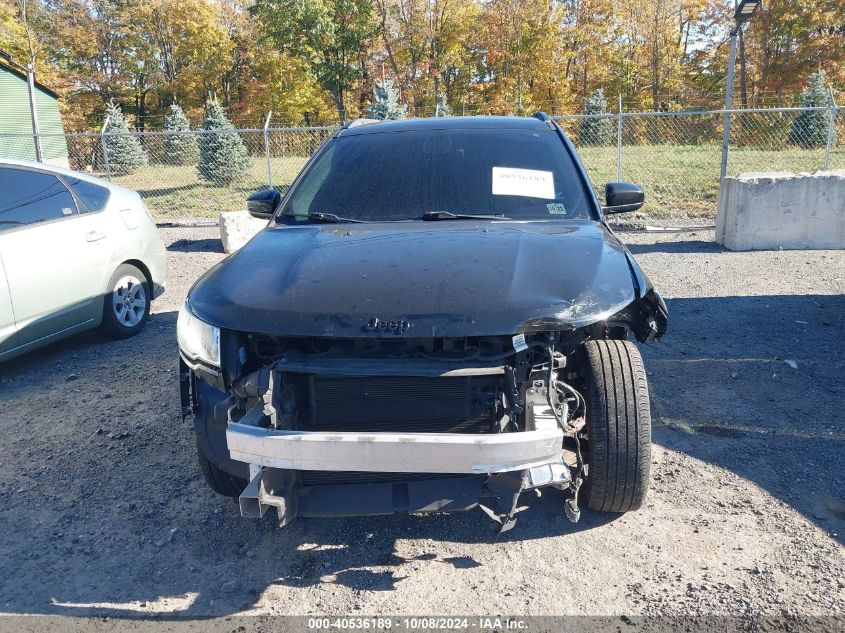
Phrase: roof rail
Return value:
(542, 116)
(357, 122)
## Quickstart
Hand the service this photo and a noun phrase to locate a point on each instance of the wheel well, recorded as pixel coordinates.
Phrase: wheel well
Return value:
(140, 266)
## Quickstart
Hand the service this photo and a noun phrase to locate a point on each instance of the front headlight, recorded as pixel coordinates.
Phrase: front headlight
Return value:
(198, 340)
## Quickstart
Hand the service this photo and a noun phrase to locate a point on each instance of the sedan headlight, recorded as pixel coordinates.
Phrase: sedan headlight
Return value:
(198, 341)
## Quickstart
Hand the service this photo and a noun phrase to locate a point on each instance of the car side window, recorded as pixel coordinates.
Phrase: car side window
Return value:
(94, 197)
(29, 197)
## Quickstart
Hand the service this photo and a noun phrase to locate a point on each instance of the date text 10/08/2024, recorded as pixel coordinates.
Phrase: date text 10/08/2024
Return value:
(481, 623)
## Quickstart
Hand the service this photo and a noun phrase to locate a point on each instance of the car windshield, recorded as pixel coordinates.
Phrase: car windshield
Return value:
(435, 174)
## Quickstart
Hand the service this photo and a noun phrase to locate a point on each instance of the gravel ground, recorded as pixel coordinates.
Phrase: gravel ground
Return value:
(104, 513)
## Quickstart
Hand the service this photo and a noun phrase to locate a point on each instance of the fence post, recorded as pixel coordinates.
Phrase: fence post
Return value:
(267, 149)
(830, 131)
(105, 147)
(619, 142)
(33, 110)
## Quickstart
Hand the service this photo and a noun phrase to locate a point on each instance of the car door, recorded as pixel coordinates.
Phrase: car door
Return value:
(7, 315)
(54, 256)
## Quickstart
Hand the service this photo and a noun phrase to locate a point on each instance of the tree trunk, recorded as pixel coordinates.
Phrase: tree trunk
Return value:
(141, 109)
(655, 62)
(382, 9)
(338, 101)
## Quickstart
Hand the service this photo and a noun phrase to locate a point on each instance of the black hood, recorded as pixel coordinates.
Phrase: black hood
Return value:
(450, 278)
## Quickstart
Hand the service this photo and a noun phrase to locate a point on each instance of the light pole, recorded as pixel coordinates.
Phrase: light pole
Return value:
(30, 80)
(744, 10)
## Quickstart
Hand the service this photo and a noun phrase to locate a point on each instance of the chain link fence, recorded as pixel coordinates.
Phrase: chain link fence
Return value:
(177, 182)
(676, 157)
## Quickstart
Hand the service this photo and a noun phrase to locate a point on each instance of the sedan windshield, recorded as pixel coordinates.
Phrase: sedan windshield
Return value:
(440, 174)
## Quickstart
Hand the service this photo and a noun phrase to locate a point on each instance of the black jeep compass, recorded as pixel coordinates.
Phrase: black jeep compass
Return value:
(437, 317)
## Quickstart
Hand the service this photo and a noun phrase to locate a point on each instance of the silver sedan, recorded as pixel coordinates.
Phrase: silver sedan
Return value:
(76, 253)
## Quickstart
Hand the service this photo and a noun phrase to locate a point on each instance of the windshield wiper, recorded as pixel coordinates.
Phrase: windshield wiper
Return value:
(328, 218)
(446, 215)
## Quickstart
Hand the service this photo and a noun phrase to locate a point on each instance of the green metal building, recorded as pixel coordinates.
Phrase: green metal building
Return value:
(16, 139)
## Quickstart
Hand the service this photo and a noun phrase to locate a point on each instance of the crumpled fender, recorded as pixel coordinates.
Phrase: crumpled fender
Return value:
(648, 316)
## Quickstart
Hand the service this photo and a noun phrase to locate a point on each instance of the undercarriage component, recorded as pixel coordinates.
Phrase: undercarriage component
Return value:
(502, 502)
(292, 496)
(269, 488)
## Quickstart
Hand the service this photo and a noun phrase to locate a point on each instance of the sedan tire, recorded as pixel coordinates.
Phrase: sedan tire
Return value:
(126, 306)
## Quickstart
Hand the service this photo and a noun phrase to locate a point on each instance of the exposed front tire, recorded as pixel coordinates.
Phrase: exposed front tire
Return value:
(126, 306)
(219, 480)
(618, 426)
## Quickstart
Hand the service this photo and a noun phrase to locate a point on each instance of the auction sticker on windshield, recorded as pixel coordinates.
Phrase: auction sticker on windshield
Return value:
(529, 183)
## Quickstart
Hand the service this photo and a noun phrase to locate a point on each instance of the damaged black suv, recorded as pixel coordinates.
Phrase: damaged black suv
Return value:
(437, 317)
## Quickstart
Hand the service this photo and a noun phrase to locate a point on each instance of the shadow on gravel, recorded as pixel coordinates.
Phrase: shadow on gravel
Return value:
(676, 246)
(196, 246)
(71, 354)
(113, 519)
(220, 564)
(725, 391)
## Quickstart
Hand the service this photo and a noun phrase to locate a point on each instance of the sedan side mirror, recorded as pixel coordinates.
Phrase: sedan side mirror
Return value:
(623, 197)
(262, 204)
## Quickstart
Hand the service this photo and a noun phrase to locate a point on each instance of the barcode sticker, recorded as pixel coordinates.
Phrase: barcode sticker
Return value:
(519, 343)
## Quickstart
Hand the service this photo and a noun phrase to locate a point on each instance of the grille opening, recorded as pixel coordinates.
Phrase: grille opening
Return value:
(455, 404)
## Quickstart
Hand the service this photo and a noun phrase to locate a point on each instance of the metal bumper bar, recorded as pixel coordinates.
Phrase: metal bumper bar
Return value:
(394, 452)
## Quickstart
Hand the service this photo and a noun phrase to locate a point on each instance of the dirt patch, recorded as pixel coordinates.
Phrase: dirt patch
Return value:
(104, 513)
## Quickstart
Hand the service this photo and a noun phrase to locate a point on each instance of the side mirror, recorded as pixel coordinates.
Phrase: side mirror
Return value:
(622, 197)
(262, 204)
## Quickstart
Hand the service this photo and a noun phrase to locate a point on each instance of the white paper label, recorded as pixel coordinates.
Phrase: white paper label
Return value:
(529, 183)
(519, 343)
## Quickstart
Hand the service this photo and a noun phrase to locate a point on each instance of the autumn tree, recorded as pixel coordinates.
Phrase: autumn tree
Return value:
(591, 52)
(315, 60)
(96, 46)
(787, 41)
(190, 46)
(330, 36)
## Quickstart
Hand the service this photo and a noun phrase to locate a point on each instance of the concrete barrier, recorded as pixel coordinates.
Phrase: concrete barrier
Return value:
(760, 211)
(237, 228)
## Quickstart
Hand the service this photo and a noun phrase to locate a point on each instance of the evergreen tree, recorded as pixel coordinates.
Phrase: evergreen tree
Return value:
(810, 129)
(596, 131)
(442, 108)
(179, 149)
(223, 157)
(125, 152)
(386, 102)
